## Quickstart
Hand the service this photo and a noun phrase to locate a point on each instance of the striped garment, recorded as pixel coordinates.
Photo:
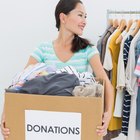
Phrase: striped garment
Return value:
(31, 72)
(80, 60)
(85, 78)
(137, 70)
(127, 96)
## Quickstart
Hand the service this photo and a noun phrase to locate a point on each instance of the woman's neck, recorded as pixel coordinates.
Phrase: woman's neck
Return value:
(65, 38)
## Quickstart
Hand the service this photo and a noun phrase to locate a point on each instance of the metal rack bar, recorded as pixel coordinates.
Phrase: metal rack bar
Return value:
(122, 12)
(116, 12)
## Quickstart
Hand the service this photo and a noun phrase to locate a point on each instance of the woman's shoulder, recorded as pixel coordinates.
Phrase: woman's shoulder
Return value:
(89, 48)
(45, 44)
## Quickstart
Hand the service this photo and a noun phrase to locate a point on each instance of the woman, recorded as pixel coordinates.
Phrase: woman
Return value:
(70, 49)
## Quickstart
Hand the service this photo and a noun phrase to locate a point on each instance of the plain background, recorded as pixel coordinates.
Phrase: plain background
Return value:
(24, 24)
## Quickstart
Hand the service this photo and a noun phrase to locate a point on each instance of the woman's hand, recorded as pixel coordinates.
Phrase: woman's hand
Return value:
(5, 131)
(102, 130)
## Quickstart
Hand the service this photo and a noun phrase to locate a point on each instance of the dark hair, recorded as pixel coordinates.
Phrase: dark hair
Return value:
(65, 6)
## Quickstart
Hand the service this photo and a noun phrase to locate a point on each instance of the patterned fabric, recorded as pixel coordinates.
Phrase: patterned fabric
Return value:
(31, 72)
(85, 78)
(127, 96)
(137, 73)
(137, 69)
(80, 60)
(137, 48)
(126, 49)
(138, 111)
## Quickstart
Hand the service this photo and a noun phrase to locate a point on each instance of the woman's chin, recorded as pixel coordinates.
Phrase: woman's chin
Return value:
(80, 34)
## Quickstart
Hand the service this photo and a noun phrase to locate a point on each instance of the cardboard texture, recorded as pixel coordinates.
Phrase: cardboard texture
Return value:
(91, 109)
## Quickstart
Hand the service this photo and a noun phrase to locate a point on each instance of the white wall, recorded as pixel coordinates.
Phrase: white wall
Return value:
(26, 23)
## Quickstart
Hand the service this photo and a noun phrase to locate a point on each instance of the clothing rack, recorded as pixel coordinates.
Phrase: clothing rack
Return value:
(116, 12)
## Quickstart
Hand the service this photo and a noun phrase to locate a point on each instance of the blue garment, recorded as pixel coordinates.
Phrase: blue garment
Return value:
(137, 53)
(138, 110)
(126, 49)
(137, 48)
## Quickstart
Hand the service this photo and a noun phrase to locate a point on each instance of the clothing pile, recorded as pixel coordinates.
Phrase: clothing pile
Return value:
(47, 80)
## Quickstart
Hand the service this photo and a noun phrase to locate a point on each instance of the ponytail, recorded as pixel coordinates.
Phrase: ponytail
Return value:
(79, 43)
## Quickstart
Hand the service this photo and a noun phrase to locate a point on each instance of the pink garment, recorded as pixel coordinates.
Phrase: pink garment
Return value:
(137, 71)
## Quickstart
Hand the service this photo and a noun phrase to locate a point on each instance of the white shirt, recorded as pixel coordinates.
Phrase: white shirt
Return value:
(108, 65)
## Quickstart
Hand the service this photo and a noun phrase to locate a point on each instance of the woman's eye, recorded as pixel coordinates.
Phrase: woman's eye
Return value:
(80, 15)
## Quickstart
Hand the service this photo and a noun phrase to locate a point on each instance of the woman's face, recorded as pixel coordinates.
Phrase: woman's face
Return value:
(75, 21)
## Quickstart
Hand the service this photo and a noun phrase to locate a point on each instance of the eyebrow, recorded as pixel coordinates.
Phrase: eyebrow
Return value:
(83, 12)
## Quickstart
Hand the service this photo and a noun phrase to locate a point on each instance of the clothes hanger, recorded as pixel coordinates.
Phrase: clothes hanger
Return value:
(121, 27)
(110, 22)
(128, 25)
(130, 22)
(115, 23)
(136, 28)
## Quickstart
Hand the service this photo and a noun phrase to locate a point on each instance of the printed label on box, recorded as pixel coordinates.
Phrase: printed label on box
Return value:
(49, 125)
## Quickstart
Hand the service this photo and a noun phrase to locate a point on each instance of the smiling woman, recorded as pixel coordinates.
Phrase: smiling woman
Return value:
(69, 49)
(75, 19)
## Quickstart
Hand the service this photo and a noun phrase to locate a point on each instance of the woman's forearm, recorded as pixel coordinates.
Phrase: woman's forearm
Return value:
(109, 97)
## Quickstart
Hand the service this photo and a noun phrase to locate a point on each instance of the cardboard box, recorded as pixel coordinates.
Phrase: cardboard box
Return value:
(42, 117)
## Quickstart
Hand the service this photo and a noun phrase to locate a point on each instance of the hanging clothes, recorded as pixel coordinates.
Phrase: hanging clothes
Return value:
(99, 43)
(107, 64)
(138, 111)
(127, 97)
(127, 82)
(114, 48)
(121, 76)
(104, 42)
(131, 87)
(119, 95)
(132, 118)
(137, 73)
(115, 133)
(120, 69)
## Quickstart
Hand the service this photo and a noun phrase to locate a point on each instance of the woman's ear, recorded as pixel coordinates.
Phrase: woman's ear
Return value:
(62, 17)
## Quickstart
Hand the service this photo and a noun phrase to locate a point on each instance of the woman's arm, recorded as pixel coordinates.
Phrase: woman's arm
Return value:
(5, 131)
(109, 93)
(31, 61)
